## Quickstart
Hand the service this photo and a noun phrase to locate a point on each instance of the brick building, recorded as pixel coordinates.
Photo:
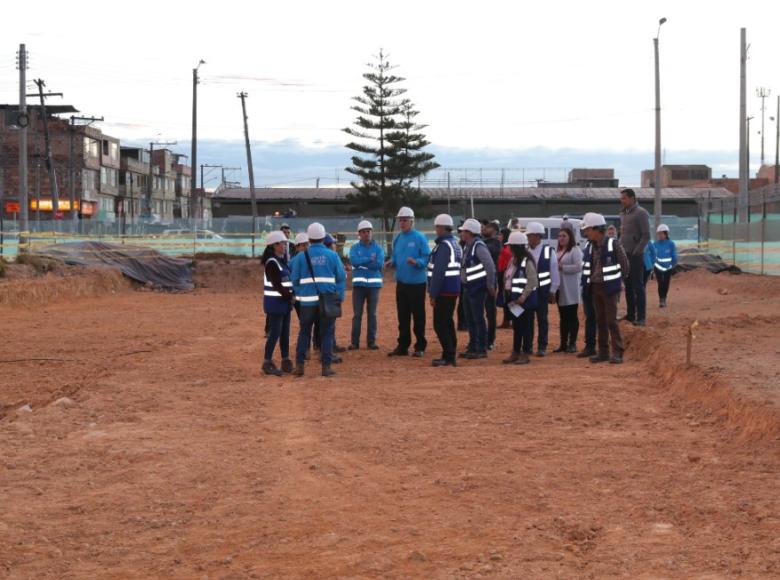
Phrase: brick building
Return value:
(678, 175)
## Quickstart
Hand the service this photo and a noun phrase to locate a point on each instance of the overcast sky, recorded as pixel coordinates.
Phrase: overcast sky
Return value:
(486, 75)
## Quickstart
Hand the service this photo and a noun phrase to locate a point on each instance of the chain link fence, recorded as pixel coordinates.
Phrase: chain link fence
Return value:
(750, 241)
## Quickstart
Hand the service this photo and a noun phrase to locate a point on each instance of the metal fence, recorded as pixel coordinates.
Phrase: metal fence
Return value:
(750, 241)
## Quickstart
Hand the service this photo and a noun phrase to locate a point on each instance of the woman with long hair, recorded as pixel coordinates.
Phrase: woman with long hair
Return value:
(277, 303)
(568, 295)
(520, 284)
(503, 262)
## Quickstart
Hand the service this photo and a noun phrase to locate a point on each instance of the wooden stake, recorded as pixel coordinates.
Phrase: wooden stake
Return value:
(691, 336)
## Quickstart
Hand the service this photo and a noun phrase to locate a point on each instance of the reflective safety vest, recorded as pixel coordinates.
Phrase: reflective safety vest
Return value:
(665, 255)
(273, 301)
(543, 269)
(450, 284)
(610, 267)
(663, 264)
(519, 282)
(586, 265)
(362, 276)
(476, 275)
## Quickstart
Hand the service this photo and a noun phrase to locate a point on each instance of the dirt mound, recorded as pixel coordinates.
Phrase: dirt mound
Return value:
(706, 394)
(229, 276)
(22, 289)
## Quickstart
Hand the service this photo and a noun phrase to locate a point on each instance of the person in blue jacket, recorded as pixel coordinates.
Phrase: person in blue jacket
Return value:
(410, 259)
(444, 288)
(367, 259)
(665, 260)
(649, 260)
(314, 272)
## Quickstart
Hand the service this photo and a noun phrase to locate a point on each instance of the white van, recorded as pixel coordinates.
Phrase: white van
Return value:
(551, 227)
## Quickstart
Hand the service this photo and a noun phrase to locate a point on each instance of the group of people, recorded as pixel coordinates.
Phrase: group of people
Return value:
(481, 271)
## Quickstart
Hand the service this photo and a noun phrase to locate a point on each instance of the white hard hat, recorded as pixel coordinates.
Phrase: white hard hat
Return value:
(443, 219)
(592, 220)
(301, 239)
(662, 228)
(405, 212)
(275, 238)
(534, 228)
(316, 231)
(471, 225)
(365, 225)
(517, 239)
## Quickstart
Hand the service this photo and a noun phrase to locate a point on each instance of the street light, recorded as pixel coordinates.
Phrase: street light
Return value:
(657, 201)
(777, 141)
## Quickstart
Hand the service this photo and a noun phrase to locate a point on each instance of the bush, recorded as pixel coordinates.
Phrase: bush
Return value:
(39, 263)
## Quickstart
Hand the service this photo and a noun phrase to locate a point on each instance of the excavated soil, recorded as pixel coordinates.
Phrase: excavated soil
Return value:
(153, 448)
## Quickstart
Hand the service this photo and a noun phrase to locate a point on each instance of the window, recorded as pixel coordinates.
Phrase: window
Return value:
(113, 151)
(91, 148)
(89, 181)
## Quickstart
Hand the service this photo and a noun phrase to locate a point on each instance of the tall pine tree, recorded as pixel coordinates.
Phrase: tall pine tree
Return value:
(388, 157)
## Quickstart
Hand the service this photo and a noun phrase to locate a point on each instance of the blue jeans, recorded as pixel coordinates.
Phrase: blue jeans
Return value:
(475, 319)
(278, 331)
(369, 296)
(306, 316)
(540, 314)
(590, 319)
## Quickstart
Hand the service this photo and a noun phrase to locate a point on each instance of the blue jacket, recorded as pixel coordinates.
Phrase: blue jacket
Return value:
(444, 267)
(329, 275)
(665, 255)
(367, 263)
(410, 244)
(649, 256)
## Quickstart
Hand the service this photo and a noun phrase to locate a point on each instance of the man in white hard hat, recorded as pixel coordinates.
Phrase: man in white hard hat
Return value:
(478, 276)
(367, 259)
(444, 288)
(410, 259)
(606, 266)
(549, 279)
(316, 272)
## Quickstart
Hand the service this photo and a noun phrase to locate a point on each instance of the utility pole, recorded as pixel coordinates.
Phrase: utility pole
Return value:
(55, 194)
(203, 185)
(777, 141)
(743, 155)
(242, 95)
(23, 120)
(762, 93)
(194, 144)
(657, 201)
(147, 209)
(74, 211)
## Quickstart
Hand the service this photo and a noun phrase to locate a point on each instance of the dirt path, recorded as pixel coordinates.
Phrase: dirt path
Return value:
(177, 460)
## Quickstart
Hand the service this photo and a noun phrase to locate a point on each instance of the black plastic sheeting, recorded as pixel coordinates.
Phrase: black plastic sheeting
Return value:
(141, 264)
(691, 259)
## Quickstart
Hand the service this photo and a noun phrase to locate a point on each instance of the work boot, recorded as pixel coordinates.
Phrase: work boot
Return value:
(475, 355)
(336, 360)
(337, 348)
(287, 366)
(599, 358)
(465, 353)
(640, 323)
(269, 368)
(511, 359)
(398, 352)
(373, 346)
(328, 372)
(418, 354)
(442, 362)
(541, 353)
(662, 303)
(353, 347)
(616, 359)
(523, 359)
(586, 353)
(560, 349)
(571, 349)
(298, 372)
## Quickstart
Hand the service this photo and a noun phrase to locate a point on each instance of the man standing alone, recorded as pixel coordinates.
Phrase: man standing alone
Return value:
(634, 236)
(410, 258)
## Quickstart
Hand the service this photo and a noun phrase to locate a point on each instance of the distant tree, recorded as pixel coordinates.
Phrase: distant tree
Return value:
(388, 155)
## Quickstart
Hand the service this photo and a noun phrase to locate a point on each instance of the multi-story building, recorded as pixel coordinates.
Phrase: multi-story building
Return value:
(181, 207)
(85, 161)
(678, 176)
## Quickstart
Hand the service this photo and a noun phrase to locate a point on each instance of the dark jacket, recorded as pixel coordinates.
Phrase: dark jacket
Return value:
(634, 230)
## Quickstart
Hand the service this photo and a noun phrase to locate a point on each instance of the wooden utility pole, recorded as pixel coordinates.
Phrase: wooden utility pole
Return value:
(242, 95)
(55, 194)
(194, 144)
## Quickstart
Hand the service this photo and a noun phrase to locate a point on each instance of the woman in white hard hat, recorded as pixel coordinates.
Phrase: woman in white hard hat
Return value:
(520, 285)
(665, 260)
(277, 303)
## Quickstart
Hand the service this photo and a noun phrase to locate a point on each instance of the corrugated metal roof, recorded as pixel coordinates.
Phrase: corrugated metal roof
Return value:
(507, 193)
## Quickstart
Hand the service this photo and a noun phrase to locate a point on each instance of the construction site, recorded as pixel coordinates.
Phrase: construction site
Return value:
(138, 439)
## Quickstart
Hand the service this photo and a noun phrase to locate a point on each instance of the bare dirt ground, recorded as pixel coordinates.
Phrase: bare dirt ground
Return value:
(173, 457)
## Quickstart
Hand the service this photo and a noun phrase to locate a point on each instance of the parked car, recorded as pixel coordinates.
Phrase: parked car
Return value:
(183, 233)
